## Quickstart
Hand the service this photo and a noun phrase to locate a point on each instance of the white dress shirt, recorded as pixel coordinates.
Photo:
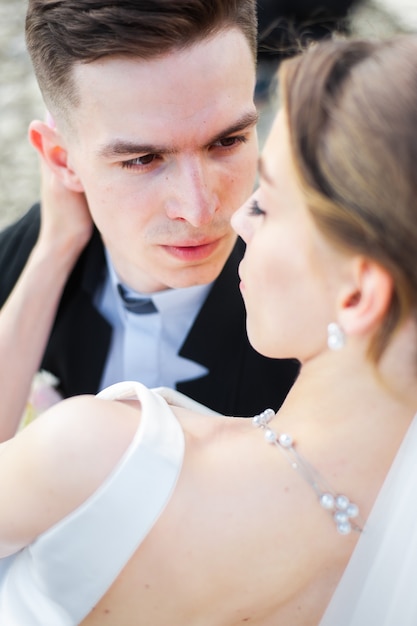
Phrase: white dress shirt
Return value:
(144, 347)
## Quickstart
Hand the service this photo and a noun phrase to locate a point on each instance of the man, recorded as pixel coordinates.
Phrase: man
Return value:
(155, 126)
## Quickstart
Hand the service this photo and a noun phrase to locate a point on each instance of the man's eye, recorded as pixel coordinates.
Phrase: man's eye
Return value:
(146, 159)
(229, 142)
(255, 210)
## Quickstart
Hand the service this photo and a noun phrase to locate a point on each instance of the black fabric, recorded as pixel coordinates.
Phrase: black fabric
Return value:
(240, 381)
(138, 306)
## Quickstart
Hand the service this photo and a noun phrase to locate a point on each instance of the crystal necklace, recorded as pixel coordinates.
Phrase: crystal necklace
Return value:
(342, 510)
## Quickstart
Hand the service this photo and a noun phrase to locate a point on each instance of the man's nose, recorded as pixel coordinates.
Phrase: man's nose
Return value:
(193, 197)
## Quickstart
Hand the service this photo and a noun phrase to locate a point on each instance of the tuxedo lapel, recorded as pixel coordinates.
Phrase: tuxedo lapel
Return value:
(16, 244)
(215, 340)
(80, 332)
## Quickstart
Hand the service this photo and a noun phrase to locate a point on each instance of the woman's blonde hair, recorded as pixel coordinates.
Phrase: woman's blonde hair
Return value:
(352, 114)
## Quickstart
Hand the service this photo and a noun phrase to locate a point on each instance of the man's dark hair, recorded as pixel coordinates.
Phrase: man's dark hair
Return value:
(62, 33)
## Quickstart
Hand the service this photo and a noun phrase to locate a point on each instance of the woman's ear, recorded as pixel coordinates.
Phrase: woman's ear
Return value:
(48, 142)
(365, 301)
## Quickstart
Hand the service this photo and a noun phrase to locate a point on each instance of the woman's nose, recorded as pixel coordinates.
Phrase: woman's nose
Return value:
(241, 223)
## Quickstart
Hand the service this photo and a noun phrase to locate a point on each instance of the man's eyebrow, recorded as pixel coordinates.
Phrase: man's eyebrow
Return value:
(246, 121)
(263, 172)
(121, 147)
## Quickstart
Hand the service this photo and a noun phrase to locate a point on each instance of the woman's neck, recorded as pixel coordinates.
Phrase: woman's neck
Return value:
(346, 385)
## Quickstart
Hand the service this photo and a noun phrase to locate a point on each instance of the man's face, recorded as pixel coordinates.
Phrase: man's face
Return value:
(166, 151)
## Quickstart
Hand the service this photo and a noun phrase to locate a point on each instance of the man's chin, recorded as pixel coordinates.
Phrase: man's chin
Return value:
(191, 277)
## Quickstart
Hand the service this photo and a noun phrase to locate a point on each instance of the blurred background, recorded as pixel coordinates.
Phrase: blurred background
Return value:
(20, 101)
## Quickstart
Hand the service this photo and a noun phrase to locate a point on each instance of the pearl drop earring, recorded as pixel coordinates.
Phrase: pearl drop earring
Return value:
(336, 337)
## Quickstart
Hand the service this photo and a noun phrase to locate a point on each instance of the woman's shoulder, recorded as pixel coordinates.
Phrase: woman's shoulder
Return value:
(80, 429)
(57, 462)
(80, 434)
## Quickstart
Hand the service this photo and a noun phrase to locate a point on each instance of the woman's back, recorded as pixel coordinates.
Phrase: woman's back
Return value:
(233, 544)
(223, 551)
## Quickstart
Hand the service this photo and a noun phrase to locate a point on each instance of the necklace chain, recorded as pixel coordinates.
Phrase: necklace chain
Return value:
(343, 511)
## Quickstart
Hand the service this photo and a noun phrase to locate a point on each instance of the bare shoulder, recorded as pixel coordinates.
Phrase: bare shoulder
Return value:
(85, 427)
(56, 463)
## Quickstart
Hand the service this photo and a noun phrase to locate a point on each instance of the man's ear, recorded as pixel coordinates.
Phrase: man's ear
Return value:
(51, 148)
(366, 300)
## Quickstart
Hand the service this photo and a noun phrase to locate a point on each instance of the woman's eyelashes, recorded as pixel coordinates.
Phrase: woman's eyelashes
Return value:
(255, 209)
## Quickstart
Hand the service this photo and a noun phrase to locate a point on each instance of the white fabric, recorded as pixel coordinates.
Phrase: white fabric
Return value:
(58, 579)
(176, 398)
(145, 347)
(378, 586)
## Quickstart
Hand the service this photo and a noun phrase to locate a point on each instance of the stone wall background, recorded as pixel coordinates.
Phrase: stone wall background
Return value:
(20, 100)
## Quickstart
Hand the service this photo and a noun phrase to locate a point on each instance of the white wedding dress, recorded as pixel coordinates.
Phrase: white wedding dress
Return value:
(58, 579)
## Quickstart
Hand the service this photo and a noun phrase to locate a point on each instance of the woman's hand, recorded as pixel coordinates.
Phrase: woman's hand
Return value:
(66, 224)
(27, 316)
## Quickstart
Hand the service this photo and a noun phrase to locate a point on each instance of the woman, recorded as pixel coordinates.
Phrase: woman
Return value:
(138, 512)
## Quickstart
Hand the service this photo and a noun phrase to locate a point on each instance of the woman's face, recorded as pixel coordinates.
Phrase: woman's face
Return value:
(289, 272)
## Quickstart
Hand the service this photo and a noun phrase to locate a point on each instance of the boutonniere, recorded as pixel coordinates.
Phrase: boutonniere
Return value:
(43, 395)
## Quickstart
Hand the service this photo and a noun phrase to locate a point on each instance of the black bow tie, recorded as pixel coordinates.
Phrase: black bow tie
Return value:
(141, 306)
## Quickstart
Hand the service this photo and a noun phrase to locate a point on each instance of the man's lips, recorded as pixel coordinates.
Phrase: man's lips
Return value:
(192, 252)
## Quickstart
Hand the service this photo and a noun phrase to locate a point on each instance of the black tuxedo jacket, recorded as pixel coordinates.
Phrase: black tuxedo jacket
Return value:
(240, 381)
